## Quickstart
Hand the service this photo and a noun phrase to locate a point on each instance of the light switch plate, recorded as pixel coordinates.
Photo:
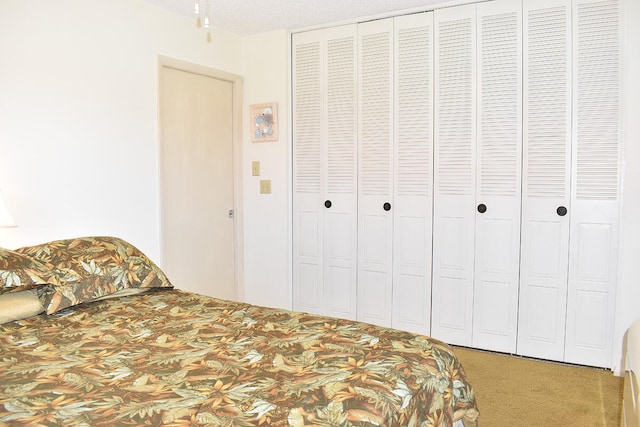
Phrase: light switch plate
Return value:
(255, 168)
(265, 186)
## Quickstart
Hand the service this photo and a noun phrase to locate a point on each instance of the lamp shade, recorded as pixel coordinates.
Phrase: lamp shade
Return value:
(5, 216)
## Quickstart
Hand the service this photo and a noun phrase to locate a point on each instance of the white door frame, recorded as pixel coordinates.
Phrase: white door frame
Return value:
(238, 224)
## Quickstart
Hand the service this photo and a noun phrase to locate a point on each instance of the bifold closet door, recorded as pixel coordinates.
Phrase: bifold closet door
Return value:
(375, 167)
(325, 183)
(413, 160)
(498, 197)
(454, 174)
(478, 174)
(546, 188)
(596, 177)
(571, 180)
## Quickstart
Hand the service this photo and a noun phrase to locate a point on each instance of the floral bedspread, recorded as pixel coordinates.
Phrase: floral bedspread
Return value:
(179, 359)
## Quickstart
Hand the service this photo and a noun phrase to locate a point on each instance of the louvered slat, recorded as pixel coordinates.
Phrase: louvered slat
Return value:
(375, 111)
(499, 132)
(341, 129)
(307, 122)
(597, 101)
(546, 119)
(455, 130)
(413, 161)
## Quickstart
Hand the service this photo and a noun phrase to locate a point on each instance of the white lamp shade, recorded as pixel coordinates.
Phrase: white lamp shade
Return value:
(5, 216)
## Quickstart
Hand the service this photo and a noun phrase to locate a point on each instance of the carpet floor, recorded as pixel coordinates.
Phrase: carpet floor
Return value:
(514, 391)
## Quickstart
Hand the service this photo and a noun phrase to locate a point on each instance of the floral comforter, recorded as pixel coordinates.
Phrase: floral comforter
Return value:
(179, 359)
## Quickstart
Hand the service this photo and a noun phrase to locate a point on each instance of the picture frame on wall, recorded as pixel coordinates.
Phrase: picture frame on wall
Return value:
(264, 122)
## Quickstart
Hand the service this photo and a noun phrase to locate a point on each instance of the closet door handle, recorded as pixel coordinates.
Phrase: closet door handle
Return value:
(386, 206)
(327, 204)
(561, 211)
(482, 208)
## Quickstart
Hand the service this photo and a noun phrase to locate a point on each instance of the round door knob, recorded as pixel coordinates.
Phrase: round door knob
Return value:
(327, 203)
(386, 206)
(562, 211)
(482, 208)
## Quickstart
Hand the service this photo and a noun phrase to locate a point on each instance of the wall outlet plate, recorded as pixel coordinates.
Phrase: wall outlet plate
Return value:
(265, 186)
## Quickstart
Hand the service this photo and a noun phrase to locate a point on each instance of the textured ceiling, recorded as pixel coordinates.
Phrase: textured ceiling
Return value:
(244, 17)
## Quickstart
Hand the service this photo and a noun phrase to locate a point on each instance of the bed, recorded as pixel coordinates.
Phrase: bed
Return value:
(94, 334)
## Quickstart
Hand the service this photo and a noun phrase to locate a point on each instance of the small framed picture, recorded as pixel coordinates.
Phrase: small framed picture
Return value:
(264, 122)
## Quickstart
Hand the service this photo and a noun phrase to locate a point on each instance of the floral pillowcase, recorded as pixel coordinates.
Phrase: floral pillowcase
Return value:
(20, 272)
(92, 268)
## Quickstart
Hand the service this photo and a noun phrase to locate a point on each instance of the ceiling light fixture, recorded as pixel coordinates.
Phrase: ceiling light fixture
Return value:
(199, 21)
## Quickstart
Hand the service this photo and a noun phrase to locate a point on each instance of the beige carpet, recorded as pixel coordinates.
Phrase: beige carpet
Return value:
(513, 391)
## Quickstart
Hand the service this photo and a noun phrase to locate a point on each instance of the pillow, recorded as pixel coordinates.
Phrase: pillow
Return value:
(19, 305)
(91, 268)
(19, 272)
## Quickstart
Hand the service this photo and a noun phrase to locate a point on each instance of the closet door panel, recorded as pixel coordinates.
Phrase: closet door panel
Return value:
(596, 174)
(591, 295)
(307, 273)
(340, 172)
(498, 195)
(375, 171)
(411, 288)
(546, 177)
(413, 160)
(454, 173)
(451, 289)
(307, 169)
(340, 264)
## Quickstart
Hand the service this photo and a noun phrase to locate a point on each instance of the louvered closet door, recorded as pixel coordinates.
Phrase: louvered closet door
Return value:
(413, 160)
(498, 197)
(454, 174)
(340, 189)
(596, 175)
(375, 151)
(325, 198)
(546, 177)
(307, 169)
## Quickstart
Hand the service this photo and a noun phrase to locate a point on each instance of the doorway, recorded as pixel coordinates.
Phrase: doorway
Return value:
(199, 184)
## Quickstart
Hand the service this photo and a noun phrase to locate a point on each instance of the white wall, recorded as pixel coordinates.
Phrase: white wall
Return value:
(265, 60)
(629, 277)
(78, 114)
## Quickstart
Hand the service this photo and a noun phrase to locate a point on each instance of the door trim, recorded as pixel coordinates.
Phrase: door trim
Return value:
(238, 224)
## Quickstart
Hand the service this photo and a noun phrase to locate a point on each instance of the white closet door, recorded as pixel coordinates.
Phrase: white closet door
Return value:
(546, 177)
(340, 173)
(307, 170)
(375, 190)
(498, 197)
(413, 159)
(596, 175)
(454, 173)
(325, 198)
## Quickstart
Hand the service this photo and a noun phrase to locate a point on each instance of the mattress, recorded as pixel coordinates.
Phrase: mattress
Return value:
(175, 358)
